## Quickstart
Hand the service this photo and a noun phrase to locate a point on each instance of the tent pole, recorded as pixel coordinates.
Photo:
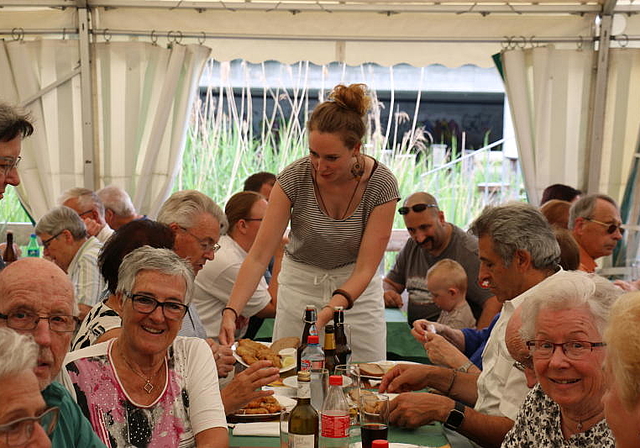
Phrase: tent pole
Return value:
(599, 99)
(87, 96)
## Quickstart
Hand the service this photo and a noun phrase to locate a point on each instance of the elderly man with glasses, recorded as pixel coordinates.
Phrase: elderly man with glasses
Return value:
(433, 239)
(196, 222)
(595, 223)
(36, 298)
(90, 208)
(66, 243)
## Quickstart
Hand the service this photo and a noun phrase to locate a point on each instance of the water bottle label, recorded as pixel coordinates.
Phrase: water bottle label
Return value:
(305, 364)
(301, 440)
(317, 364)
(335, 426)
(33, 252)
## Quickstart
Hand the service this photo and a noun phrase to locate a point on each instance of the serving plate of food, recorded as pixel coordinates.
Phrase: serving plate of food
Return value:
(265, 408)
(248, 352)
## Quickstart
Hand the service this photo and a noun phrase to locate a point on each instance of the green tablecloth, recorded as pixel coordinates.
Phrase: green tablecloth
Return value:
(429, 435)
(400, 344)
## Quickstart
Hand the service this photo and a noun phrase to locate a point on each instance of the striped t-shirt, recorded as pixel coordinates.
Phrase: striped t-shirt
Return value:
(319, 240)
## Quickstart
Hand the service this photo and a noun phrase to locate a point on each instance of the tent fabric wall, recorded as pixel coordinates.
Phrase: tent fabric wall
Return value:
(354, 38)
(144, 98)
(549, 95)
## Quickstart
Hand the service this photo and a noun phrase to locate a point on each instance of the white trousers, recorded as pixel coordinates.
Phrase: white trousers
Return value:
(300, 285)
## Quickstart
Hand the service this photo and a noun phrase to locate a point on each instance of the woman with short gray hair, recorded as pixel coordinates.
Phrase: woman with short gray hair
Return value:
(20, 392)
(563, 323)
(149, 387)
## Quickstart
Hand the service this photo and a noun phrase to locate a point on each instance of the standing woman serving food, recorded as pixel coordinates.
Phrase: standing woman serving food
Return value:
(341, 204)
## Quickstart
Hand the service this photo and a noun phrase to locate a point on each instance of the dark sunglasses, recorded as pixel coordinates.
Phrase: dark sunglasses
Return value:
(611, 228)
(416, 208)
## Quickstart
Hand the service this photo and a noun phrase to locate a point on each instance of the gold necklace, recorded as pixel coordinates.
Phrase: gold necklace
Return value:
(148, 385)
(317, 187)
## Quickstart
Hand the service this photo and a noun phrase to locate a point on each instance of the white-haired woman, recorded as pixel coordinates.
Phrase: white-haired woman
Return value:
(622, 400)
(147, 387)
(563, 323)
(24, 421)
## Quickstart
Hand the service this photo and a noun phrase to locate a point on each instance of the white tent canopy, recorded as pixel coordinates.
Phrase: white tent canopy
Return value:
(125, 101)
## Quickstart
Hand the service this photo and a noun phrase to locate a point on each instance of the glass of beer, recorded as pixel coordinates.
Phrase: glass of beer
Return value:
(374, 417)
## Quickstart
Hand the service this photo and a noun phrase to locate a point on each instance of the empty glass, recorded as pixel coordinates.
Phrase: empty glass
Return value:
(319, 385)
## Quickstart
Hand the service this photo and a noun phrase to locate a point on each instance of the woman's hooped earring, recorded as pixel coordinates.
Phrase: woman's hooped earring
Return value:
(357, 169)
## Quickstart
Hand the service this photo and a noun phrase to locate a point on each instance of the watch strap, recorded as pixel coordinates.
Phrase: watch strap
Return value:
(465, 367)
(456, 416)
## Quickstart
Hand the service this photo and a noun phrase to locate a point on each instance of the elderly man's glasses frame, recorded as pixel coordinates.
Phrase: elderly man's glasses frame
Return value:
(146, 305)
(45, 243)
(26, 321)
(416, 208)
(7, 164)
(206, 246)
(19, 432)
(572, 349)
(611, 228)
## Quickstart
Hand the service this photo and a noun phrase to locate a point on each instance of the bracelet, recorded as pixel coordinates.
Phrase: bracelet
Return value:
(231, 309)
(346, 295)
(453, 380)
(329, 306)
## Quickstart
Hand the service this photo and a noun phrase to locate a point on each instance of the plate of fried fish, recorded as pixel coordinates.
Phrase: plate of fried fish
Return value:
(264, 408)
(247, 352)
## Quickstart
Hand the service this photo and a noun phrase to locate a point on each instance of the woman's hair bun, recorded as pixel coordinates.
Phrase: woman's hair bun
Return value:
(353, 97)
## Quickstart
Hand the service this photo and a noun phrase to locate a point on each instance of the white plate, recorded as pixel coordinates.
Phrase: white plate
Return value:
(268, 344)
(287, 402)
(292, 381)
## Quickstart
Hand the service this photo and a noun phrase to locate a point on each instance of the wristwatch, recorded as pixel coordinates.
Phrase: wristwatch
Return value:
(465, 367)
(456, 416)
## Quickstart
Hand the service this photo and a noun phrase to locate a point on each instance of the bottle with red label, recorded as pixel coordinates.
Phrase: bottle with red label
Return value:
(334, 418)
(312, 356)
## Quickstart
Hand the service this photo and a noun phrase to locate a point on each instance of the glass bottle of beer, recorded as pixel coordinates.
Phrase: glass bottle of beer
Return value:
(343, 351)
(330, 357)
(310, 317)
(304, 423)
(9, 255)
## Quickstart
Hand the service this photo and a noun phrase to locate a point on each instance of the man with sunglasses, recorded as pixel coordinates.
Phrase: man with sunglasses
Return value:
(433, 239)
(66, 243)
(90, 208)
(36, 299)
(595, 223)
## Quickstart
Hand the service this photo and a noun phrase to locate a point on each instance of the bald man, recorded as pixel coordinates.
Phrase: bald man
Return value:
(433, 239)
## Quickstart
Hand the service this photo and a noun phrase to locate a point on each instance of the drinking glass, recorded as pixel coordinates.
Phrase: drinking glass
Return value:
(374, 417)
(319, 386)
(351, 385)
(284, 428)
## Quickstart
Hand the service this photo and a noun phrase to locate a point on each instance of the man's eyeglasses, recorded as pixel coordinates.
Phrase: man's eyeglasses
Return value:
(205, 244)
(147, 305)
(572, 349)
(45, 243)
(25, 321)
(7, 164)
(611, 228)
(20, 431)
(84, 213)
(416, 208)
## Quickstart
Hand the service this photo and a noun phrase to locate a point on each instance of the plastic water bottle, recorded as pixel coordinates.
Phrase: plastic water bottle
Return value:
(334, 418)
(33, 249)
(312, 356)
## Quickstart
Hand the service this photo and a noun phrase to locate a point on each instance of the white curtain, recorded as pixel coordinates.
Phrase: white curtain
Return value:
(549, 91)
(146, 93)
(142, 104)
(52, 156)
